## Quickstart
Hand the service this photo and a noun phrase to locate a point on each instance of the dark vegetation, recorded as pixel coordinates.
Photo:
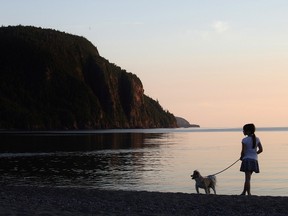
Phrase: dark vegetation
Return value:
(181, 122)
(54, 80)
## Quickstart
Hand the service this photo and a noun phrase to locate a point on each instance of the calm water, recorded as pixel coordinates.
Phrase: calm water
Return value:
(152, 159)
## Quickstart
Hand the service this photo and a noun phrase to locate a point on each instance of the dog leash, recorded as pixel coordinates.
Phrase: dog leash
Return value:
(227, 167)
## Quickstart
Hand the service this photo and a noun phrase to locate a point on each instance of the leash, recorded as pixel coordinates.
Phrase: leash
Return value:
(226, 167)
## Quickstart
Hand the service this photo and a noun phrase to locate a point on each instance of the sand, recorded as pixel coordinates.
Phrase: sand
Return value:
(20, 200)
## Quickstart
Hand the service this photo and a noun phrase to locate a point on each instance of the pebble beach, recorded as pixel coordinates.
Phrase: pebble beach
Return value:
(28, 200)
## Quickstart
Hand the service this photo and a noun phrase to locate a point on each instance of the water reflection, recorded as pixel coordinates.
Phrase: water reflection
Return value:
(96, 160)
(13, 143)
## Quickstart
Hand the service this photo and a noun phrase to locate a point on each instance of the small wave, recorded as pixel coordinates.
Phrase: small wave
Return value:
(10, 155)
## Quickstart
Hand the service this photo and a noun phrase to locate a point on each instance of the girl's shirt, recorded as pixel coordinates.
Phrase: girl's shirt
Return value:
(250, 152)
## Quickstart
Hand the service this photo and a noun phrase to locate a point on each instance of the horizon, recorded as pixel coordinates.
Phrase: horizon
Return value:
(215, 64)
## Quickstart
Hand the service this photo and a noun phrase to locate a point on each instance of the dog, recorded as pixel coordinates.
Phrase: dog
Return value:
(204, 182)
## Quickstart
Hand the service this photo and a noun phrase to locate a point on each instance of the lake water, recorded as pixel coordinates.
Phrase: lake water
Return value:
(150, 159)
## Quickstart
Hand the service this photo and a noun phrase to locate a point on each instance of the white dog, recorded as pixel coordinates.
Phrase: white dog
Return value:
(204, 182)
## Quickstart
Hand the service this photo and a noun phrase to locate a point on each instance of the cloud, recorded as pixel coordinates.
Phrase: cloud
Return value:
(220, 26)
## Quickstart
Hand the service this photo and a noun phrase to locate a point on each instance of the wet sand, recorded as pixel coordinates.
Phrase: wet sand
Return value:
(20, 200)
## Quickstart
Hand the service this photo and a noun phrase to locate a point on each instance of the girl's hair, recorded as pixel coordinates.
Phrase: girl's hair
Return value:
(251, 129)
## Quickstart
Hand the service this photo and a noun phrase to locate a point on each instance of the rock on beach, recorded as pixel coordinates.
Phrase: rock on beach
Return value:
(28, 200)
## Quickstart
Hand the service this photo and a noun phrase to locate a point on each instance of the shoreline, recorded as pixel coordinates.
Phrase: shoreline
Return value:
(30, 200)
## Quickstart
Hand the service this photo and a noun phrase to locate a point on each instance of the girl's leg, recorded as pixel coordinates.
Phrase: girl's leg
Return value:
(247, 183)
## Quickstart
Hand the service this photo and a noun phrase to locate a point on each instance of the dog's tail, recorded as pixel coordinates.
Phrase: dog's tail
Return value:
(213, 178)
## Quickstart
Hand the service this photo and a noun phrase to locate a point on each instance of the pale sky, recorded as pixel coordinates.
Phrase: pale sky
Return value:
(216, 63)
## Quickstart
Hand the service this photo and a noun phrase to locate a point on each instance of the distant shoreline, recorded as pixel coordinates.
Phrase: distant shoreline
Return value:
(28, 200)
(139, 130)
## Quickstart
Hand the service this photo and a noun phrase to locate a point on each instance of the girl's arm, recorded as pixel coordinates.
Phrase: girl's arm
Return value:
(242, 151)
(260, 148)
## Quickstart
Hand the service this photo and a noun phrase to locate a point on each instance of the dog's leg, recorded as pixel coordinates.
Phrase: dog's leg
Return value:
(197, 189)
(214, 189)
(206, 190)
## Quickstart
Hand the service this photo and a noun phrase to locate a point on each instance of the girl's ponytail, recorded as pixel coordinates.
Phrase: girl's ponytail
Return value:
(251, 129)
(254, 140)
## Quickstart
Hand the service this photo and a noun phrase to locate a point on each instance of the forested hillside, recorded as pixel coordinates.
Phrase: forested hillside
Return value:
(54, 80)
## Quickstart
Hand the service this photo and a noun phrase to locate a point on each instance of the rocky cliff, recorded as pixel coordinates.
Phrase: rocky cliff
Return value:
(181, 122)
(54, 80)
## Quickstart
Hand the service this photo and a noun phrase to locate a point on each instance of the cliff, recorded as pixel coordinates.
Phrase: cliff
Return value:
(181, 122)
(54, 80)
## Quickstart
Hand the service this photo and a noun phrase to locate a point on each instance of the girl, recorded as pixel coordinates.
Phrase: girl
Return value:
(251, 147)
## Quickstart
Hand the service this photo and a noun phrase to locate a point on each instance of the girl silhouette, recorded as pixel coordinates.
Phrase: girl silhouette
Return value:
(251, 147)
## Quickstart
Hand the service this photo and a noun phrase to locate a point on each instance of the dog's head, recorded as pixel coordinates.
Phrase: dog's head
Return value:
(196, 174)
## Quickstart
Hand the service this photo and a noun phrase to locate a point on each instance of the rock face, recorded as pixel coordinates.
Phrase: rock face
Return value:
(54, 80)
(181, 122)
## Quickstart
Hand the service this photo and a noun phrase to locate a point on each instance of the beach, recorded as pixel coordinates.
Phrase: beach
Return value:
(28, 200)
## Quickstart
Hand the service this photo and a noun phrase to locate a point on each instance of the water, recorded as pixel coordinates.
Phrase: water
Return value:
(151, 159)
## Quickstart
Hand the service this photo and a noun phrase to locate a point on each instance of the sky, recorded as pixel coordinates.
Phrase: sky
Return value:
(216, 63)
